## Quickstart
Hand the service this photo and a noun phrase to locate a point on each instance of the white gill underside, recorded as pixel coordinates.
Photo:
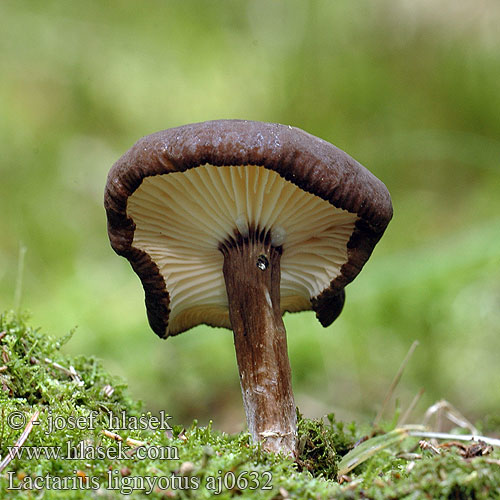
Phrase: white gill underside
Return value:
(182, 217)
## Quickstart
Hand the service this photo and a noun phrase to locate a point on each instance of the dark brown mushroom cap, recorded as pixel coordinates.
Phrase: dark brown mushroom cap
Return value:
(314, 165)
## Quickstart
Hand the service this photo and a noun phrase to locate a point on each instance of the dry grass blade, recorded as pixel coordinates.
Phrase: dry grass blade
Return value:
(19, 279)
(455, 437)
(445, 410)
(395, 382)
(22, 438)
(414, 402)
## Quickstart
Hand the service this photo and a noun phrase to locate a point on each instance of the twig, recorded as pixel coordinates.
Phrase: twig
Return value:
(492, 461)
(3, 334)
(22, 438)
(394, 383)
(108, 390)
(425, 445)
(414, 402)
(3, 368)
(70, 373)
(117, 437)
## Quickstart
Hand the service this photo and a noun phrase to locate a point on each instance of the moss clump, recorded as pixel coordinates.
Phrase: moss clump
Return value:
(36, 373)
(322, 444)
(446, 476)
(85, 461)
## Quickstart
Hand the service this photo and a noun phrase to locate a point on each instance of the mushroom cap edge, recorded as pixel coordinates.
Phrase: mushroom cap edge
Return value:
(309, 162)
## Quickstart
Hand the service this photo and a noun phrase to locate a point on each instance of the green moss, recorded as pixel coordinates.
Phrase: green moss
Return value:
(434, 476)
(77, 460)
(322, 445)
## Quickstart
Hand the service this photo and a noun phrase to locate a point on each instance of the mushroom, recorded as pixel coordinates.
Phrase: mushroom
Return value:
(231, 223)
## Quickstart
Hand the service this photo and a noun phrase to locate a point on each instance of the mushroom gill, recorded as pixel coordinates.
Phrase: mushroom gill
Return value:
(182, 218)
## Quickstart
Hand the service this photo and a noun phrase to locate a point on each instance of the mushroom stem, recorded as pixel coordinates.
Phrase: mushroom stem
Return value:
(252, 276)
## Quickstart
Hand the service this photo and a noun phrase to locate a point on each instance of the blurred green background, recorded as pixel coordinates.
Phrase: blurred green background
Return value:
(411, 89)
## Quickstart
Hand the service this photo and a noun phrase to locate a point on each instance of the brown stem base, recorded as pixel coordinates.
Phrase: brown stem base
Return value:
(252, 276)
